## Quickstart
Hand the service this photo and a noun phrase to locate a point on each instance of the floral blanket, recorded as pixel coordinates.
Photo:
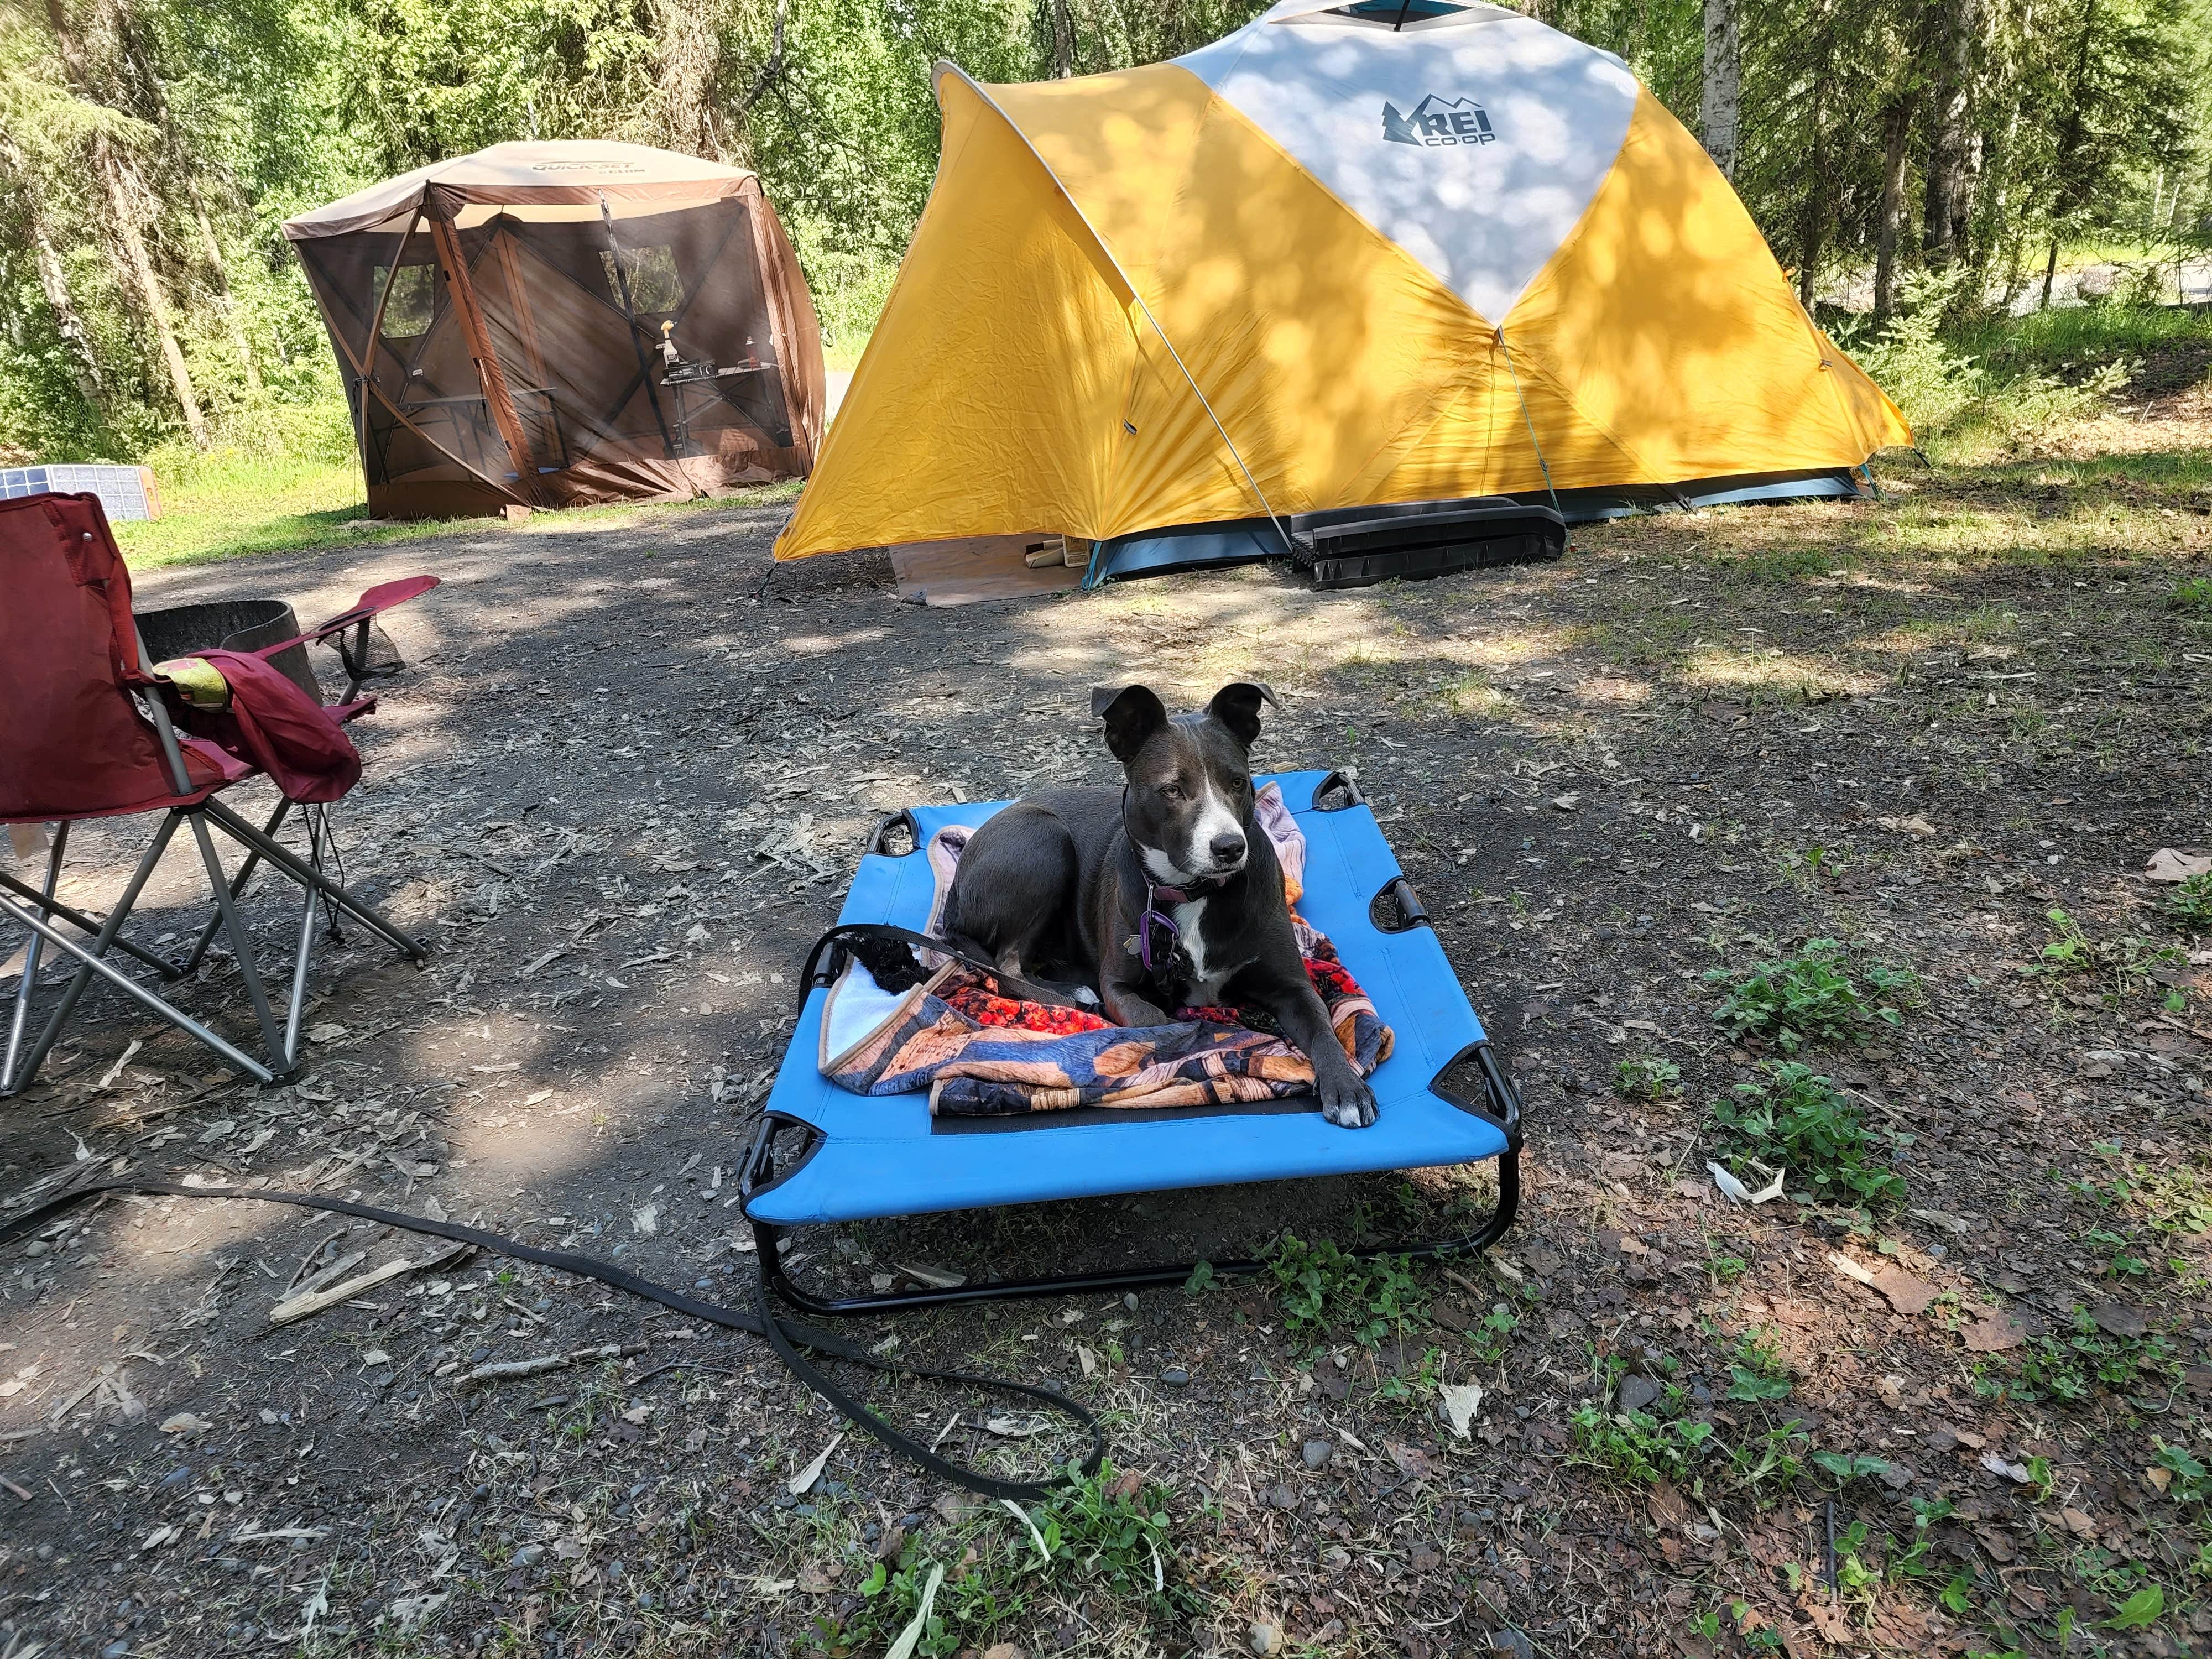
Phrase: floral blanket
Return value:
(894, 1024)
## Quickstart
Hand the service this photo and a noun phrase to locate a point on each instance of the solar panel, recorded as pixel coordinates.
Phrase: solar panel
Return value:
(126, 492)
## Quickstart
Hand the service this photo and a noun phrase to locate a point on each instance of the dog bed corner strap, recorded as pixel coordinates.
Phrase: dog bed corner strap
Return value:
(785, 1338)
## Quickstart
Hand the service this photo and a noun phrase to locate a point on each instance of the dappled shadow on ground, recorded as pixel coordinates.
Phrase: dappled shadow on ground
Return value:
(623, 787)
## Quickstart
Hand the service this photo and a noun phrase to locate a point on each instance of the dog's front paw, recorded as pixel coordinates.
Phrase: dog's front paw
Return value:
(1347, 1102)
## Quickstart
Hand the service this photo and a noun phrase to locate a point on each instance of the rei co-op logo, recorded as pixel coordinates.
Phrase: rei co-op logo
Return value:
(1438, 124)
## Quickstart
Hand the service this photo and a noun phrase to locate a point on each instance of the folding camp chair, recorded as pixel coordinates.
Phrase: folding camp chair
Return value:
(86, 732)
(1444, 1097)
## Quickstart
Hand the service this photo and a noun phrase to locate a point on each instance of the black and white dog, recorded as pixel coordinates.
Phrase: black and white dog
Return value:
(1162, 894)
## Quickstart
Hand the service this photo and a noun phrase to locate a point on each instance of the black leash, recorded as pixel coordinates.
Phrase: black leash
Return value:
(784, 1337)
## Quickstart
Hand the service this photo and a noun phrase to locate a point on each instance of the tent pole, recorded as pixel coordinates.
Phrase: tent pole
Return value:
(375, 327)
(400, 415)
(490, 379)
(629, 315)
(783, 332)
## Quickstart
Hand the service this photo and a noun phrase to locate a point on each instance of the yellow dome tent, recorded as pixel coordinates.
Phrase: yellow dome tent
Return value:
(1395, 250)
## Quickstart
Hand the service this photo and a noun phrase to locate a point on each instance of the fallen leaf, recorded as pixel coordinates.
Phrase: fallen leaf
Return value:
(160, 1536)
(1411, 1460)
(1999, 1546)
(2160, 1478)
(1035, 1537)
(1566, 803)
(2016, 1472)
(646, 1220)
(817, 1580)
(904, 1646)
(2078, 1523)
(1993, 1335)
(1915, 826)
(1737, 1193)
(806, 1477)
(1908, 1295)
(2170, 865)
(1014, 1428)
(186, 1422)
(1461, 1401)
(2118, 1319)
(328, 1031)
(408, 1610)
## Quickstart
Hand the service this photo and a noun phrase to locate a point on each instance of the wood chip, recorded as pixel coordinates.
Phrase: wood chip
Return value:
(299, 1306)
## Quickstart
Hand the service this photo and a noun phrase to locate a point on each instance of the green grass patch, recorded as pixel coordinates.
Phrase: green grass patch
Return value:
(1794, 1120)
(2194, 596)
(1646, 1076)
(1110, 1539)
(2069, 1366)
(1817, 995)
(232, 503)
(2129, 962)
(2190, 904)
(1327, 1294)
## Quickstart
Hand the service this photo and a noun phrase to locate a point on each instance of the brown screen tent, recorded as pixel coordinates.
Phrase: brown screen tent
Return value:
(555, 324)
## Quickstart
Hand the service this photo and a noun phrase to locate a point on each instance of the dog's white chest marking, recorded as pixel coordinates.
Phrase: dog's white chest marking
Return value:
(1187, 918)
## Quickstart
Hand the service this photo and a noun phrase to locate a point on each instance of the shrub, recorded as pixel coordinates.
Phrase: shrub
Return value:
(2190, 904)
(1647, 1077)
(1794, 1120)
(1815, 996)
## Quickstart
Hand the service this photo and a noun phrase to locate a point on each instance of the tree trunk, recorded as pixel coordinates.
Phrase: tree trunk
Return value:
(54, 283)
(1951, 162)
(1063, 42)
(226, 301)
(150, 291)
(124, 211)
(1720, 111)
(2070, 143)
(1896, 129)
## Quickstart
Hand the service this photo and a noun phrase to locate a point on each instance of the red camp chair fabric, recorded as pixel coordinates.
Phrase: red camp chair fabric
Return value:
(280, 729)
(86, 731)
(72, 743)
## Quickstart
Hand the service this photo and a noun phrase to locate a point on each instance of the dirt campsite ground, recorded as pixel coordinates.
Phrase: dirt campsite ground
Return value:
(1948, 1392)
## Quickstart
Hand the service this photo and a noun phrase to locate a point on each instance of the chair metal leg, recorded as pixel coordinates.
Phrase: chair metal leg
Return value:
(237, 882)
(92, 964)
(21, 1016)
(90, 959)
(285, 859)
(50, 908)
(241, 942)
(301, 955)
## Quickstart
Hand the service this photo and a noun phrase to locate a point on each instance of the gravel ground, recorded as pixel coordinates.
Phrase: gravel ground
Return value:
(621, 789)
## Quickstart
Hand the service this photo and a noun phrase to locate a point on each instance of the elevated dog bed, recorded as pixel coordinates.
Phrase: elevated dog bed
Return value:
(1444, 1097)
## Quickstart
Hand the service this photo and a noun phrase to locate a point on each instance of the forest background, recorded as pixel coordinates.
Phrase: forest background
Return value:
(1930, 169)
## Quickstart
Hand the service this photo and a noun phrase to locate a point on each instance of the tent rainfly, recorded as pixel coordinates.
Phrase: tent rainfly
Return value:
(1388, 251)
(554, 325)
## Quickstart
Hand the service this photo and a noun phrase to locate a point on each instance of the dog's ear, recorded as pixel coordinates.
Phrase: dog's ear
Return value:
(1238, 707)
(1131, 714)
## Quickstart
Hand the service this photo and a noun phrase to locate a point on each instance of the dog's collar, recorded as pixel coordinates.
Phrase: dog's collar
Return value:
(1159, 938)
(1156, 894)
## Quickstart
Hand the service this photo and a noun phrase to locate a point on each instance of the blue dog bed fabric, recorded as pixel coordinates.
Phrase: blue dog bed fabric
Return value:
(880, 1156)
